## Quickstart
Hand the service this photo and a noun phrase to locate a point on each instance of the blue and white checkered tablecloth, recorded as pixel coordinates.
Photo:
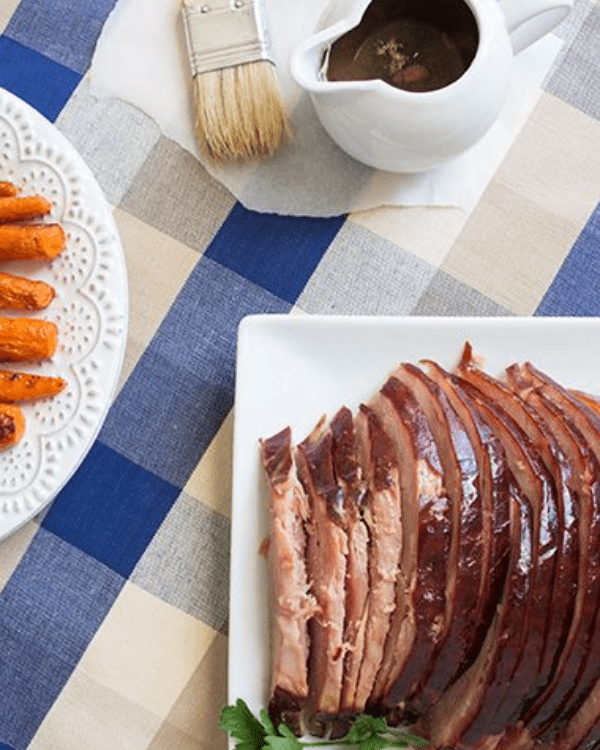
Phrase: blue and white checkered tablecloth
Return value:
(114, 601)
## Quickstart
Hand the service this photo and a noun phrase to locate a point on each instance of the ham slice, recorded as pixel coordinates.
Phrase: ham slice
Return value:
(528, 647)
(494, 477)
(559, 468)
(474, 695)
(420, 619)
(454, 651)
(353, 491)
(327, 551)
(580, 712)
(384, 521)
(292, 603)
(591, 401)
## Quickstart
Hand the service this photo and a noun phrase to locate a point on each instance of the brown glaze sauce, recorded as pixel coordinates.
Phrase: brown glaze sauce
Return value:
(415, 46)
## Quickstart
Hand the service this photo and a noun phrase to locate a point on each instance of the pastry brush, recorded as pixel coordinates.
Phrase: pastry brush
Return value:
(238, 108)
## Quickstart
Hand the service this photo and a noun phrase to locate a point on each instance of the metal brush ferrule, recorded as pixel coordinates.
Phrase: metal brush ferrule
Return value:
(224, 33)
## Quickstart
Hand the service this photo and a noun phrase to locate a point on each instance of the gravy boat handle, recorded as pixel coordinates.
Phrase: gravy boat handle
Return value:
(530, 20)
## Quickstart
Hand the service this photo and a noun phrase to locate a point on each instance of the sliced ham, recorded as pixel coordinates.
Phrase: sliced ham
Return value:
(580, 711)
(591, 401)
(292, 603)
(582, 732)
(435, 558)
(494, 476)
(562, 605)
(420, 620)
(353, 489)
(528, 647)
(454, 650)
(384, 520)
(326, 564)
(474, 695)
(585, 480)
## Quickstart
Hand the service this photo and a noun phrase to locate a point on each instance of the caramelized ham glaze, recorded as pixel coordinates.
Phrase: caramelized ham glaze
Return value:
(293, 605)
(474, 695)
(580, 711)
(528, 648)
(585, 478)
(494, 476)
(543, 442)
(591, 401)
(421, 616)
(581, 732)
(464, 583)
(326, 564)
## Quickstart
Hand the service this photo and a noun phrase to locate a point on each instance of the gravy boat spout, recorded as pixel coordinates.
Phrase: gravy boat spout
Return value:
(309, 60)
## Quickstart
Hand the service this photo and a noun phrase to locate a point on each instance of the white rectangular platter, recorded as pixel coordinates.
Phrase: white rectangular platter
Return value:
(293, 369)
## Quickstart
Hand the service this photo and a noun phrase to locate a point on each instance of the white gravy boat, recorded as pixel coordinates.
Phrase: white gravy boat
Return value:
(395, 130)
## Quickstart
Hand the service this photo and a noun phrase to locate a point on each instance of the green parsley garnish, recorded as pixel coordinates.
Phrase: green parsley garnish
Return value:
(366, 733)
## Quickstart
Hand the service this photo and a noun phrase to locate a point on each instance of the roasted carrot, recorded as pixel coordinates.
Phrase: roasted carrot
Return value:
(25, 386)
(12, 425)
(26, 338)
(23, 207)
(19, 293)
(31, 241)
(8, 189)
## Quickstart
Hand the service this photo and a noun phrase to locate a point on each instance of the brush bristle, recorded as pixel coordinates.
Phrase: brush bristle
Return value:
(239, 112)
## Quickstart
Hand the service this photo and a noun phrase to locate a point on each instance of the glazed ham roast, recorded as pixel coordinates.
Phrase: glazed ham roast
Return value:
(435, 559)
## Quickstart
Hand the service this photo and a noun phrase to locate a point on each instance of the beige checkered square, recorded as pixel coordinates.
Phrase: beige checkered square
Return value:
(7, 9)
(12, 550)
(157, 267)
(425, 231)
(533, 211)
(193, 723)
(211, 480)
(146, 650)
(90, 715)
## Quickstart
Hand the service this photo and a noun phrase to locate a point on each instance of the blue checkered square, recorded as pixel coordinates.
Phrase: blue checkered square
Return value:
(65, 31)
(49, 612)
(576, 287)
(39, 81)
(278, 252)
(111, 509)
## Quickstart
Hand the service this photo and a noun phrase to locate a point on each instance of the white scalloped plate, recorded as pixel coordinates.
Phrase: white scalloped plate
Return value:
(90, 310)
